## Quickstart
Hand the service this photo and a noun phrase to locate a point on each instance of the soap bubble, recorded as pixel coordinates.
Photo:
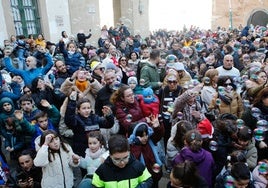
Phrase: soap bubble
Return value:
(206, 80)
(213, 145)
(221, 90)
(195, 82)
(256, 112)
(259, 134)
(180, 115)
(129, 118)
(229, 182)
(218, 101)
(240, 123)
(116, 85)
(246, 103)
(262, 124)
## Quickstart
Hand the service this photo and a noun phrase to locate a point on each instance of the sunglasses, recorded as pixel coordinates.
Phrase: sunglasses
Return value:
(172, 82)
(123, 60)
(101, 69)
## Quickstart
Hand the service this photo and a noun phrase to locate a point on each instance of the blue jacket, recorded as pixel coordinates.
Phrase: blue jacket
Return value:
(29, 75)
(72, 61)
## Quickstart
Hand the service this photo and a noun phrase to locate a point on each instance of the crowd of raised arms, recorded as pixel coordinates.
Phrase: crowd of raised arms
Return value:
(190, 103)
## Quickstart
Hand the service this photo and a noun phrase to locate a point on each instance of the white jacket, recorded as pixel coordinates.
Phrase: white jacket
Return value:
(59, 171)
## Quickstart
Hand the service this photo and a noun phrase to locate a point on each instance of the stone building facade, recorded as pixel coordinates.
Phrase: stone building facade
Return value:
(51, 17)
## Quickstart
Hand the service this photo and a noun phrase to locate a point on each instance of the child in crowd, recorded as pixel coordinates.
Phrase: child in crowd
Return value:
(121, 169)
(235, 156)
(96, 153)
(240, 176)
(44, 121)
(260, 174)
(73, 59)
(176, 141)
(193, 151)
(143, 141)
(84, 121)
(246, 143)
(186, 175)
(26, 103)
(56, 159)
(133, 84)
(14, 140)
(28, 175)
(149, 102)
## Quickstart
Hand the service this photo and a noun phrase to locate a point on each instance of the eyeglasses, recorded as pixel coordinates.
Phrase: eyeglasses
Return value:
(123, 60)
(172, 82)
(122, 160)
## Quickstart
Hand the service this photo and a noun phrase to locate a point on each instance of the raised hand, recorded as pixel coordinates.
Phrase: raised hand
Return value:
(18, 114)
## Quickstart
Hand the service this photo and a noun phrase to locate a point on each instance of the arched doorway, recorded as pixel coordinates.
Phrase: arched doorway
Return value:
(259, 17)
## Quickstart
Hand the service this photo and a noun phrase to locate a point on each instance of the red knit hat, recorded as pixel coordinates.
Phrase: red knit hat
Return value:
(205, 128)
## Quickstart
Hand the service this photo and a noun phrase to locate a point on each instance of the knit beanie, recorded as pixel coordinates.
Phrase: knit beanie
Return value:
(94, 65)
(132, 79)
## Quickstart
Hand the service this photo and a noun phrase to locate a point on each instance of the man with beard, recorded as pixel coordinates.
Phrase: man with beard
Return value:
(32, 70)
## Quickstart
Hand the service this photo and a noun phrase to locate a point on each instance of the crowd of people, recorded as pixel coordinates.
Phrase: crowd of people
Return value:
(192, 103)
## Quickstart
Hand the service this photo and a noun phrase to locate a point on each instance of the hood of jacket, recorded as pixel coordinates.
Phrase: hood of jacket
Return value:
(197, 157)
(6, 100)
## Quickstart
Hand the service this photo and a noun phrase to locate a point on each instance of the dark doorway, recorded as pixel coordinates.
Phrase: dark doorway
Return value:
(258, 18)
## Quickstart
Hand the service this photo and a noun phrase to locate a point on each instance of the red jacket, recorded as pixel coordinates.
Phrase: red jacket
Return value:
(122, 111)
(149, 108)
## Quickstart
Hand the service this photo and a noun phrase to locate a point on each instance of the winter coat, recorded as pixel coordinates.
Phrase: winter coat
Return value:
(91, 92)
(149, 108)
(109, 175)
(122, 111)
(146, 151)
(180, 105)
(203, 159)
(59, 172)
(171, 152)
(4, 114)
(251, 154)
(103, 99)
(259, 180)
(92, 162)
(82, 125)
(34, 172)
(72, 61)
(150, 75)
(207, 94)
(236, 107)
(29, 75)
(251, 122)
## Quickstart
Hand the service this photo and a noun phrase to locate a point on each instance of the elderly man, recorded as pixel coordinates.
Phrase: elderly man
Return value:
(32, 70)
(228, 69)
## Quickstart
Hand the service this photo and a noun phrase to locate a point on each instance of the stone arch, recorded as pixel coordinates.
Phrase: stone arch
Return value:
(258, 17)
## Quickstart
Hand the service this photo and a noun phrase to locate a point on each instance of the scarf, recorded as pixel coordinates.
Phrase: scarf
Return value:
(226, 98)
(82, 86)
(95, 155)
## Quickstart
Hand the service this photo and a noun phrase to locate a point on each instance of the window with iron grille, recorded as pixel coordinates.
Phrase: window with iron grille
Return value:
(26, 17)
